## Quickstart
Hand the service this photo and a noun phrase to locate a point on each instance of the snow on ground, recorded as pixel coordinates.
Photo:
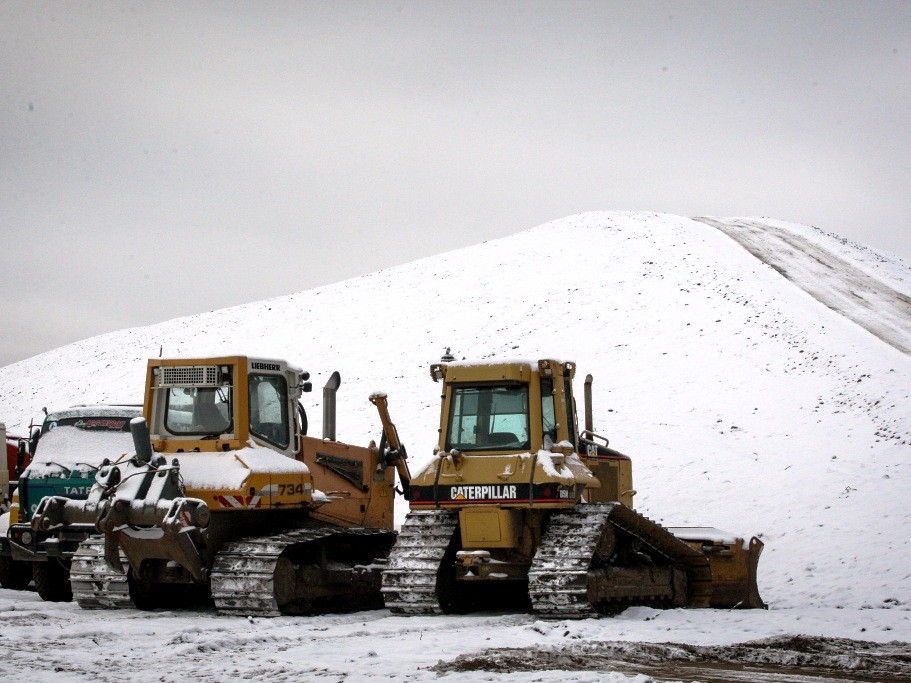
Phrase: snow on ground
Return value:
(847, 289)
(745, 403)
(75, 645)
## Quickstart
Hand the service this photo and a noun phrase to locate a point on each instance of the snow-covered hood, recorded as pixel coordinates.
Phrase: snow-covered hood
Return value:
(230, 469)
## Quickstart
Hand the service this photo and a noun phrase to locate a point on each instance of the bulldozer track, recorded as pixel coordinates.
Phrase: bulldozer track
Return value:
(243, 573)
(650, 533)
(94, 584)
(560, 581)
(410, 577)
(242, 576)
(558, 577)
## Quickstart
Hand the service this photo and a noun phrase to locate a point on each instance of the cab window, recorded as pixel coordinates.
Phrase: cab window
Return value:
(488, 418)
(570, 409)
(548, 413)
(200, 411)
(269, 409)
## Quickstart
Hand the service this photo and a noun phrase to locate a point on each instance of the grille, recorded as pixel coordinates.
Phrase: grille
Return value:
(188, 376)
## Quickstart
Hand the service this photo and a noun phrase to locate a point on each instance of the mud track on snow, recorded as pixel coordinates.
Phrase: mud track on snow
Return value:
(781, 659)
(844, 288)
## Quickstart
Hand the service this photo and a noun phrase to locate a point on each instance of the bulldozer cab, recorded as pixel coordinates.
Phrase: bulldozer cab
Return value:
(527, 407)
(506, 407)
(219, 404)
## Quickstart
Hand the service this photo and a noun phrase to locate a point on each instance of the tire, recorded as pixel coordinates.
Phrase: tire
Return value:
(14, 574)
(52, 580)
(145, 594)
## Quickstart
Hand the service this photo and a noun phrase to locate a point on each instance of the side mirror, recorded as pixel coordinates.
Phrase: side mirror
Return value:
(307, 387)
(20, 457)
(33, 441)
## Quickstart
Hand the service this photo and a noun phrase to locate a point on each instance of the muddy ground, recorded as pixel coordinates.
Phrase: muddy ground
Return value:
(784, 658)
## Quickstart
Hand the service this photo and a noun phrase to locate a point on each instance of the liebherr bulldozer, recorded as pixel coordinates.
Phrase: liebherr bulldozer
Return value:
(519, 509)
(226, 499)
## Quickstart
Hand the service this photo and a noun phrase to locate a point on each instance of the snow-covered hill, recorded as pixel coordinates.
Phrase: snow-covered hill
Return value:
(745, 402)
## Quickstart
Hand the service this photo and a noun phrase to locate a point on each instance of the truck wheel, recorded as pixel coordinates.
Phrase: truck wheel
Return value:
(14, 574)
(145, 595)
(52, 580)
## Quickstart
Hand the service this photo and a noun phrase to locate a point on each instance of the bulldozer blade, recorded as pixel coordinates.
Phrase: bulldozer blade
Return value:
(734, 564)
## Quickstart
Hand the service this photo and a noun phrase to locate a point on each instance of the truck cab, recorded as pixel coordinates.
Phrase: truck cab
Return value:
(65, 455)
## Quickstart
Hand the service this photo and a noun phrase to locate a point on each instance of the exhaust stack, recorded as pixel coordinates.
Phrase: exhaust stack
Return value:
(589, 422)
(329, 392)
(141, 440)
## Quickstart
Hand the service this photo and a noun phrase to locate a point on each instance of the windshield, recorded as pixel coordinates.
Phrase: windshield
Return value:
(488, 418)
(199, 411)
(80, 443)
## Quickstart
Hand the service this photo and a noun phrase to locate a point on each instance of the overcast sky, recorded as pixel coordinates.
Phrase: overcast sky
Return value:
(161, 159)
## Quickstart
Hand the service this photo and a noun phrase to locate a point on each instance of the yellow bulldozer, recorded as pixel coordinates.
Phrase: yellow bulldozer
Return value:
(521, 509)
(227, 499)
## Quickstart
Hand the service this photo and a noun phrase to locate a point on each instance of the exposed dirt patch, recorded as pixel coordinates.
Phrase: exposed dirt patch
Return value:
(782, 658)
(845, 289)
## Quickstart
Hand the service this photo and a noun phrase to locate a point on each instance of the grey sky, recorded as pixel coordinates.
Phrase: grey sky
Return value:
(158, 160)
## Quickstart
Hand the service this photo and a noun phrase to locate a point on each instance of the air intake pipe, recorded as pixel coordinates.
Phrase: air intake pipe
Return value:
(589, 422)
(329, 392)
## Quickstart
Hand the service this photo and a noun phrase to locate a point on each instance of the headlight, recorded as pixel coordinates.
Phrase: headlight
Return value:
(26, 537)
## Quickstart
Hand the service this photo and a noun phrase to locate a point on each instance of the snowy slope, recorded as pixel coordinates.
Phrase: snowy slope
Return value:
(846, 285)
(745, 403)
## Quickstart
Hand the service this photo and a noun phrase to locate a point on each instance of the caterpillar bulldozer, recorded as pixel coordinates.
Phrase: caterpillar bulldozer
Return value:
(520, 509)
(226, 499)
